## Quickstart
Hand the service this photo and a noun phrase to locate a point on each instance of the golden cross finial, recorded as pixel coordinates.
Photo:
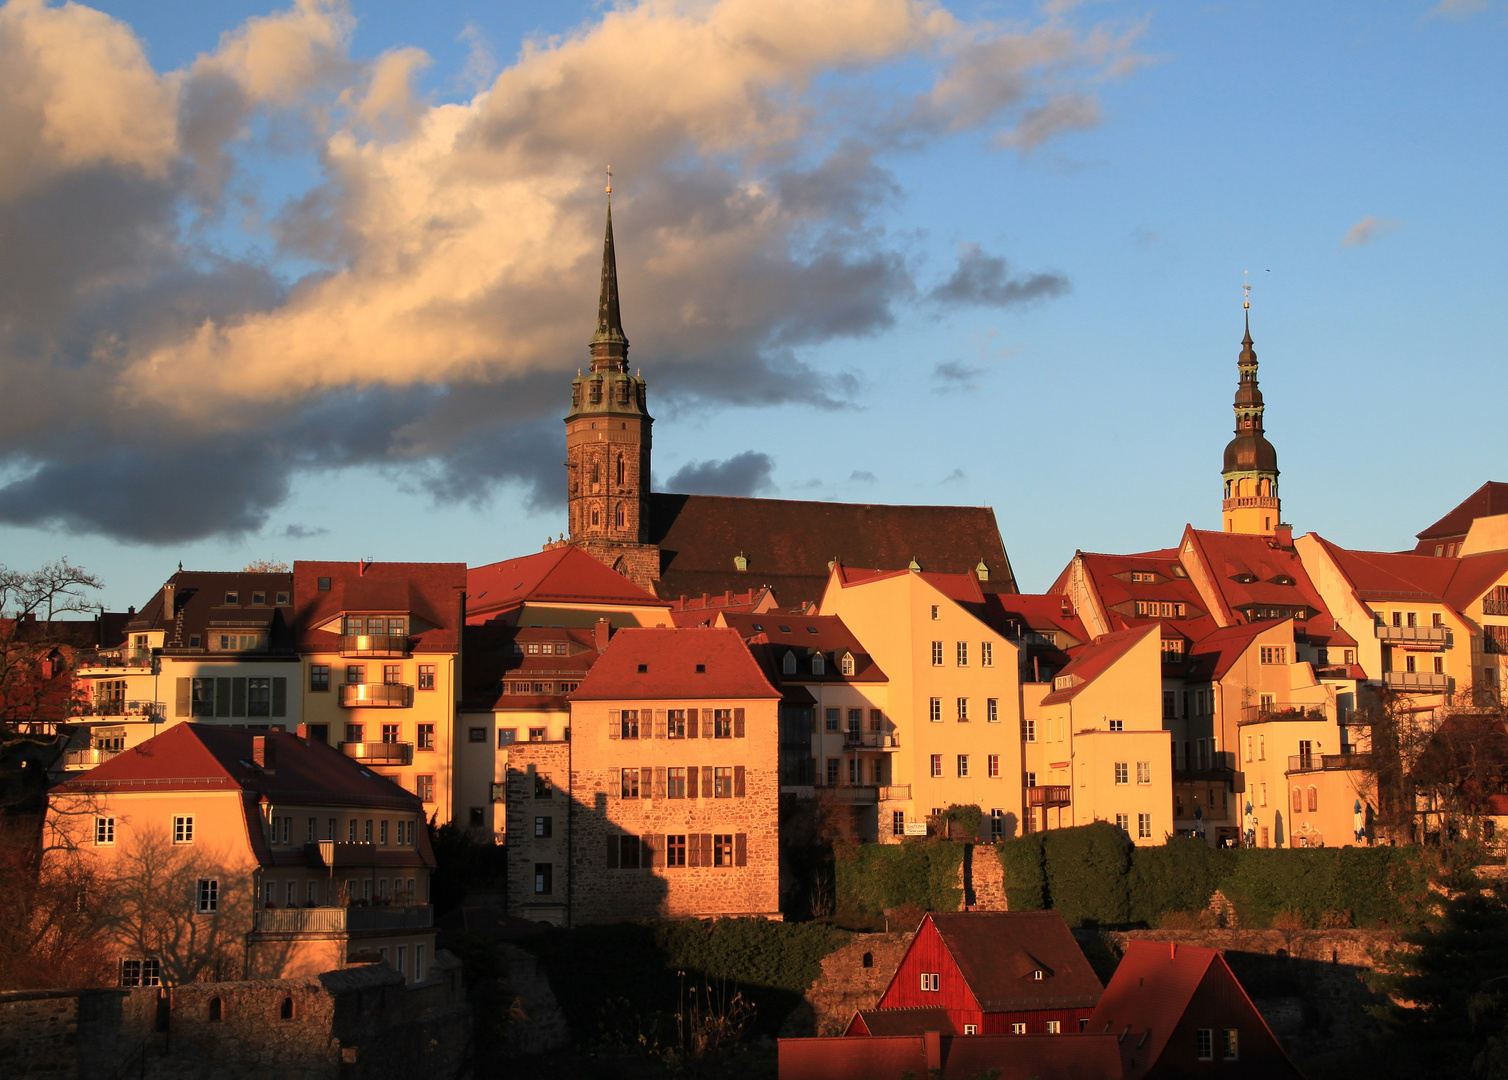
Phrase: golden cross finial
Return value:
(1245, 287)
(609, 179)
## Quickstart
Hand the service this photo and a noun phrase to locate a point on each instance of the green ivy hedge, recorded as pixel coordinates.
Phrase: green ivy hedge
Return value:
(920, 873)
(1093, 874)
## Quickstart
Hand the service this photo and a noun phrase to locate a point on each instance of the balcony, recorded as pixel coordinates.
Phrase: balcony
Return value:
(1328, 762)
(1433, 637)
(895, 793)
(1261, 714)
(1242, 502)
(871, 740)
(332, 853)
(379, 753)
(1049, 795)
(1429, 681)
(376, 645)
(852, 794)
(374, 695)
(76, 760)
(1492, 606)
(341, 920)
(111, 659)
(118, 709)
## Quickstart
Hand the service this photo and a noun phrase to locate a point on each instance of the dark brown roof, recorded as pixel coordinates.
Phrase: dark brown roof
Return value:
(773, 634)
(997, 953)
(488, 658)
(789, 543)
(200, 603)
(1489, 499)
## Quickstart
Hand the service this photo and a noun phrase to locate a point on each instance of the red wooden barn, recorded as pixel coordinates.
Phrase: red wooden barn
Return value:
(987, 973)
(1177, 1010)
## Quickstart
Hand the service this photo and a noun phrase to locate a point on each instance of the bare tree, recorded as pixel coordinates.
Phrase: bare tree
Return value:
(273, 565)
(34, 683)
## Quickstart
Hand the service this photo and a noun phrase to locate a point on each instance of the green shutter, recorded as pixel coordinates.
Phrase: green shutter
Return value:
(182, 706)
(222, 697)
(238, 697)
(280, 696)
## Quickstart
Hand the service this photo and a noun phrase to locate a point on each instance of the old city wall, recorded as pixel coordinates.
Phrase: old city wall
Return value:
(356, 1023)
(847, 985)
(526, 767)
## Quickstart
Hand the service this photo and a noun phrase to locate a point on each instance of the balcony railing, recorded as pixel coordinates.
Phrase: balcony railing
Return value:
(854, 794)
(1415, 680)
(376, 695)
(876, 740)
(115, 707)
(1261, 714)
(1323, 762)
(1049, 795)
(1494, 607)
(112, 658)
(1413, 635)
(1269, 502)
(895, 792)
(74, 760)
(341, 920)
(374, 645)
(379, 753)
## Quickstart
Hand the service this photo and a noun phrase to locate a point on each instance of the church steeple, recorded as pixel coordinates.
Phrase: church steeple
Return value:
(608, 439)
(1251, 464)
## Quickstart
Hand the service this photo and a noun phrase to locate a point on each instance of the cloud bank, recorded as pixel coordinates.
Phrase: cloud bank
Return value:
(419, 306)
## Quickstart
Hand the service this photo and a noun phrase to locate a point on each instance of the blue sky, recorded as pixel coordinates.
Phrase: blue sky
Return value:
(1224, 138)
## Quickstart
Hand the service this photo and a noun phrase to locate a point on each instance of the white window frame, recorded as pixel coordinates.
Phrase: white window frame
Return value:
(1204, 1044)
(937, 654)
(183, 828)
(986, 654)
(207, 896)
(1122, 773)
(931, 982)
(104, 831)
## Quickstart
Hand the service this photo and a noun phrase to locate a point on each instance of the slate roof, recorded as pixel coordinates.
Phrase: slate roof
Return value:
(431, 592)
(669, 657)
(789, 543)
(1488, 500)
(997, 952)
(561, 575)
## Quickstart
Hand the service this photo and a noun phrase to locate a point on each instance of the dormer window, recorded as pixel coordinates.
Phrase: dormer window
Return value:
(282, 599)
(1037, 975)
(847, 664)
(232, 598)
(259, 599)
(323, 584)
(819, 664)
(812, 630)
(788, 665)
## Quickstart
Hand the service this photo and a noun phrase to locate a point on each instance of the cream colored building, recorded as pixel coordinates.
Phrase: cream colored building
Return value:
(953, 693)
(231, 854)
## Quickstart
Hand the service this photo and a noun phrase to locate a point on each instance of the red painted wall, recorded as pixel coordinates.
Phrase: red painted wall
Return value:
(1220, 1003)
(928, 953)
(1035, 1021)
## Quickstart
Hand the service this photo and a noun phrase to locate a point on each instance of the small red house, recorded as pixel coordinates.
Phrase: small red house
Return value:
(943, 1057)
(1177, 1010)
(987, 973)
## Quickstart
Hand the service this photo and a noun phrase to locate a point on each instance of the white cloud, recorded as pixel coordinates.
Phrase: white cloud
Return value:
(1368, 229)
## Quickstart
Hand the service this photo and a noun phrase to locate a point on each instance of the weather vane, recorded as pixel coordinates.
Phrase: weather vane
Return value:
(609, 179)
(1245, 286)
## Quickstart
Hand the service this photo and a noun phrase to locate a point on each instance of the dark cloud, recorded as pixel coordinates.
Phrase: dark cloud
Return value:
(954, 375)
(743, 474)
(986, 280)
(863, 476)
(303, 532)
(957, 476)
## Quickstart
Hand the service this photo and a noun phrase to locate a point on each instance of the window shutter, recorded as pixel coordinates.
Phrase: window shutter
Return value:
(614, 724)
(659, 723)
(649, 852)
(237, 697)
(706, 849)
(646, 778)
(709, 725)
(740, 849)
(615, 778)
(738, 723)
(182, 706)
(661, 844)
(708, 791)
(693, 850)
(738, 781)
(279, 696)
(612, 852)
(690, 723)
(659, 781)
(691, 774)
(222, 697)
(646, 722)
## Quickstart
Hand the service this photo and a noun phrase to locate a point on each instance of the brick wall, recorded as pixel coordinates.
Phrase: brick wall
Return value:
(526, 765)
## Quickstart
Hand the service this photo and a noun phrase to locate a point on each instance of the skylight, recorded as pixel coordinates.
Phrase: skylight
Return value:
(785, 629)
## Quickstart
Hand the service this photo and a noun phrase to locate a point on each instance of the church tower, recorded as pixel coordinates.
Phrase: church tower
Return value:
(1251, 464)
(608, 444)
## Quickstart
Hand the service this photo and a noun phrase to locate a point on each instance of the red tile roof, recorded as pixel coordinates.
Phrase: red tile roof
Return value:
(773, 634)
(431, 592)
(1212, 655)
(964, 1057)
(207, 757)
(900, 1022)
(703, 610)
(789, 543)
(1035, 611)
(1089, 662)
(489, 659)
(1281, 580)
(669, 658)
(1381, 575)
(561, 575)
(965, 588)
(1110, 575)
(997, 953)
(1488, 500)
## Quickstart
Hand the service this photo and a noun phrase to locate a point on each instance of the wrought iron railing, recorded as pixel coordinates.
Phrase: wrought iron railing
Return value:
(376, 695)
(379, 753)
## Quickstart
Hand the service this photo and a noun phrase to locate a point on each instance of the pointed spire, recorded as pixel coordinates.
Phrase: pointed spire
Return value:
(609, 345)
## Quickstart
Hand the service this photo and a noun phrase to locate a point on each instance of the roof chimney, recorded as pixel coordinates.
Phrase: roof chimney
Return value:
(263, 753)
(603, 633)
(168, 592)
(1282, 535)
(933, 1042)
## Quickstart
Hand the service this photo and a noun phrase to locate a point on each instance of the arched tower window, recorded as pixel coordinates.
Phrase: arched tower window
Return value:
(596, 472)
(618, 516)
(285, 1012)
(595, 518)
(620, 471)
